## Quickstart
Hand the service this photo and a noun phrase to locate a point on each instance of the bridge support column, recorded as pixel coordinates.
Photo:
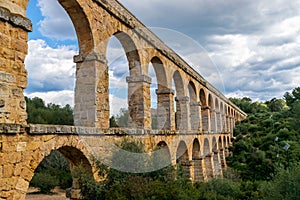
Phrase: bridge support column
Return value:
(209, 166)
(139, 101)
(165, 109)
(197, 169)
(205, 115)
(223, 158)
(224, 126)
(195, 113)
(217, 164)
(91, 91)
(213, 123)
(14, 28)
(182, 113)
(218, 122)
(231, 121)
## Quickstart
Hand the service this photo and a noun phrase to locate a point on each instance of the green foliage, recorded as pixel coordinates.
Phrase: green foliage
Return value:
(39, 113)
(44, 181)
(89, 188)
(256, 153)
(57, 167)
(284, 186)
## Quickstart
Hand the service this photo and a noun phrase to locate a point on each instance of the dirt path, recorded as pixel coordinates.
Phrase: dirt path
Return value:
(59, 195)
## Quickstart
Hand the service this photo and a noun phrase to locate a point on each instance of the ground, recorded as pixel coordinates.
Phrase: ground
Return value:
(59, 194)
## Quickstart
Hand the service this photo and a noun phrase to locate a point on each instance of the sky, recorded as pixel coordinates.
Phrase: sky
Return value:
(247, 48)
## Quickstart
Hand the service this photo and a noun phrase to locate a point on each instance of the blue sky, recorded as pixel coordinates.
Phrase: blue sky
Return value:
(247, 48)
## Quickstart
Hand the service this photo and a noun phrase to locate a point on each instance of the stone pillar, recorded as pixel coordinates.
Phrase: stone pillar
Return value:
(224, 125)
(195, 115)
(227, 124)
(14, 28)
(217, 164)
(165, 109)
(198, 174)
(205, 115)
(231, 122)
(223, 158)
(209, 166)
(139, 101)
(213, 123)
(218, 122)
(182, 113)
(91, 91)
(186, 167)
(74, 192)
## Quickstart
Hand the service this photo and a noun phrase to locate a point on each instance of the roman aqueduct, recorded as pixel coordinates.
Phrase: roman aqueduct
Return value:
(196, 136)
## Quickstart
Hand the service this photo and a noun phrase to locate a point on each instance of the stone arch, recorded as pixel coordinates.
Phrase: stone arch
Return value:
(160, 72)
(205, 112)
(76, 157)
(131, 52)
(162, 155)
(197, 161)
(70, 147)
(138, 84)
(179, 87)
(160, 116)
(81, 24)
(213, 124)
(196, 153)
(192, 91)
(181, 114)
(218, 115)
(182, 158)
(195, 107)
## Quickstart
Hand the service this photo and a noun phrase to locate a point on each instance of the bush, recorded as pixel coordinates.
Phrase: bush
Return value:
(44, 181)
(285, 185)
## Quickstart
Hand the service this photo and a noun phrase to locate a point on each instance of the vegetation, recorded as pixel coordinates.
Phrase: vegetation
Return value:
(265, 161)
(39, 113)
(52, 171)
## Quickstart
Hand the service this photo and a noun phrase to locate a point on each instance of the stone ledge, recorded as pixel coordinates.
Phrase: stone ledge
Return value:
(15, 19)
(11, 128)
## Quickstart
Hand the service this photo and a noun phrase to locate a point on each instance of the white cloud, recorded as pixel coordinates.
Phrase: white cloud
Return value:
(49, 69)
(116, 104)
(56, 23)
(254, 43)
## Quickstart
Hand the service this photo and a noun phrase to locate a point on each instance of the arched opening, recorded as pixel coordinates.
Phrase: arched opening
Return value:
(217, 166)
(222, 117)
(57, 170)
(50, 51)
(194, 107)
(179, 98)
(159, 95)
(222, 152)
(161, 156)
(218, 116)
(182, 160)
(212, 114)
(197, 161)
(118, 69)
(205, 115)
(125, 84)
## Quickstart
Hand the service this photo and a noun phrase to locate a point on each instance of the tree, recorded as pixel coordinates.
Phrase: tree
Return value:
(39, 113)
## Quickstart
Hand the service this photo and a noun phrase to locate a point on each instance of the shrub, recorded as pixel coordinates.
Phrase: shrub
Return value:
(44, 181)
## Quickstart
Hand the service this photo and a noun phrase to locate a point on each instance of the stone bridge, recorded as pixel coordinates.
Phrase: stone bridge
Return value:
(196, 134)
